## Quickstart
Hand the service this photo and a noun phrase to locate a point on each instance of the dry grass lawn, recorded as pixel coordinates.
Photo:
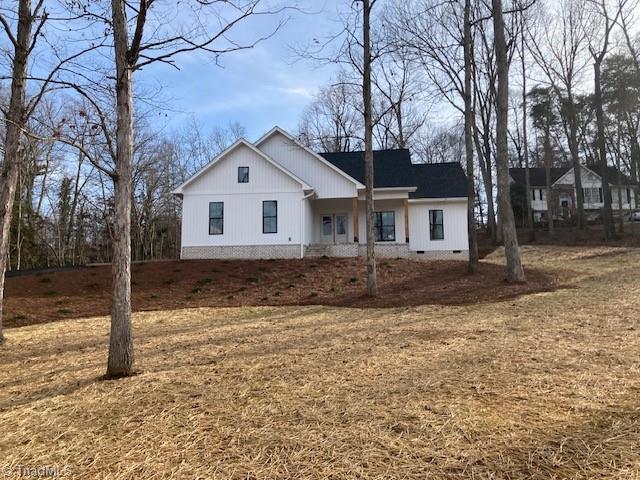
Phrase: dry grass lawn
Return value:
(546, 385)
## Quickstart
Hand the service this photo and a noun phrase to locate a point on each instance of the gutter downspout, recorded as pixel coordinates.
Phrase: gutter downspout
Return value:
(305, 197)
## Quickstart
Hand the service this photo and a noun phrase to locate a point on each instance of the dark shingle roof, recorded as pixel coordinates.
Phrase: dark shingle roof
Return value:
(612, 175)
(439, 180)
(537, 175)
(393, 168)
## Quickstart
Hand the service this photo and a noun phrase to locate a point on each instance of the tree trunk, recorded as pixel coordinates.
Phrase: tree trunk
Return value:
(607, 213)
(14, 122)
(120, 361)
(468, 142)
(548, 159)
(372, 281)
(525, 139)
(515, 272)
(487, 183)
(575, 159)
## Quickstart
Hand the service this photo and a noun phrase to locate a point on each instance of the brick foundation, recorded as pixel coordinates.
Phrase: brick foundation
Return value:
(241, 252)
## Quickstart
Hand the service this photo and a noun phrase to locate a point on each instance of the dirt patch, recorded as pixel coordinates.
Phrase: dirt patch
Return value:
(85, 292)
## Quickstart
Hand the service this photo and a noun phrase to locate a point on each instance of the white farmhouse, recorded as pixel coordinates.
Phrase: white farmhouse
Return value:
(276, 198)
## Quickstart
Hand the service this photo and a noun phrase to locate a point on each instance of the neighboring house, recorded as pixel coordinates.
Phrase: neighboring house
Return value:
(563, 191)
(278, 199)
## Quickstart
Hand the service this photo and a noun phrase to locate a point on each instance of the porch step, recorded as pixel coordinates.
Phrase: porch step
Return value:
(317, 250)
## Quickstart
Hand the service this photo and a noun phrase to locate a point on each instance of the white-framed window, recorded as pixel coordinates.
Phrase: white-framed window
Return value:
(592, 195)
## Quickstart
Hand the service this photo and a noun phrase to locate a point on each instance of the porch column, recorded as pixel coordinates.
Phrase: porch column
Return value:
(356, 219)
(406, 219)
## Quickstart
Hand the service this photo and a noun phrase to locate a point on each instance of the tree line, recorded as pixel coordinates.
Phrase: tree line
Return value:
(557, 53)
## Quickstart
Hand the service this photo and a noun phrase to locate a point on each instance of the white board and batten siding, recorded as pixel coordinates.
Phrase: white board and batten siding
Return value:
(242, 203)
(326, 181)
(454, 216)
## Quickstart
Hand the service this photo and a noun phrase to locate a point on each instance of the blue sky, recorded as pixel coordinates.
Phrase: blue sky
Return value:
(260, 87)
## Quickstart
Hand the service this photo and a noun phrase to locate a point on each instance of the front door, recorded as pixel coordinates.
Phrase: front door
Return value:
(333, 228)
(340, 222)
(326, 229)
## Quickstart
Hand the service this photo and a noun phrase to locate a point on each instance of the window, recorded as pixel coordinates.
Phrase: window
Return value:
(341, 225)
(436, 225)
(243, 174)
(216, 218)
(542, 194)
(592, 195)
(533, 192)
(327, 225)
(270, 216)
(385, 226)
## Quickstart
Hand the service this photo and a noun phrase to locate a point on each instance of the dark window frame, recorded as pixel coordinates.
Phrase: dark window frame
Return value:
(433, 224)
(379, 226)
(242, 179)
(220, 218)
(264, 217)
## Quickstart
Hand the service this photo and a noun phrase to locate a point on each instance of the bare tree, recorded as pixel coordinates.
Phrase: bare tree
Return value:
(599, 43)
(433, 32)
(333, 121)
(398, 88)
(24, 36)
(468, 140)
(525, 139)
(559, 51)
(372, 280)
(515, 273)
(141, 37)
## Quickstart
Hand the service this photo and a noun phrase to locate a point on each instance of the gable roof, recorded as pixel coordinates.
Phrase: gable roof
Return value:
(391, 168)
(239, 143)
(439, 180)
(537, 175)
(319, 157)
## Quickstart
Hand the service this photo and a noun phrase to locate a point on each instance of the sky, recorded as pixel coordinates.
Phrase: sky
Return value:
(259, 88)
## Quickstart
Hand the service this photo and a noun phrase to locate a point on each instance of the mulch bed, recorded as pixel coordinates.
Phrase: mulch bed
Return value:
(45, 297)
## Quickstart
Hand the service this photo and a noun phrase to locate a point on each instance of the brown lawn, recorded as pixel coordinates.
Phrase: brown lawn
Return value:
(539, 386)
(86, 292)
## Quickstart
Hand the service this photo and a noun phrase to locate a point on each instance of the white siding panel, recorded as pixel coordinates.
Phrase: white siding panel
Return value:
(455, 226)
(223, 176)
(242, 219)
(326, 182)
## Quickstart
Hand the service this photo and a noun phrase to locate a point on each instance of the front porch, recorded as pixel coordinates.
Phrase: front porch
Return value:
(337, 227)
